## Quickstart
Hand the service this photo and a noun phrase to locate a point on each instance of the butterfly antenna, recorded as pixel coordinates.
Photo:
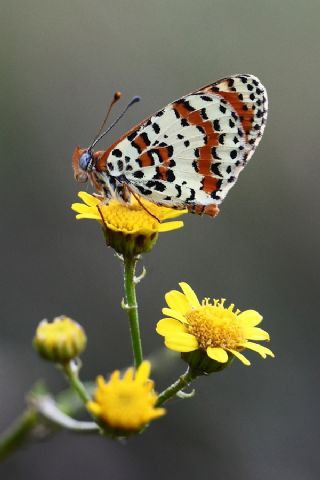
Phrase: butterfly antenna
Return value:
(116, 97)
(101, 135)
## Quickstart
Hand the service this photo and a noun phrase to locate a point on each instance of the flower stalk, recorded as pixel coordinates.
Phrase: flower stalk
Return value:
(71, 370)
(17, 433)
(183, 381)
(131, 307)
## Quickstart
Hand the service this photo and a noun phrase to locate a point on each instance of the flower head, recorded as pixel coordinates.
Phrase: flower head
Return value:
(129, 228)
(61, 340)
(125, 405)
(219, 332)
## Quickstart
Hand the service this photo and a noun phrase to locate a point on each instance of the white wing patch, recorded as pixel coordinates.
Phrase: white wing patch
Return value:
(192, 151)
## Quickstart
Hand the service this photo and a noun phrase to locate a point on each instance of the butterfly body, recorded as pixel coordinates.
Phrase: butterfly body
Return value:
(187, 155)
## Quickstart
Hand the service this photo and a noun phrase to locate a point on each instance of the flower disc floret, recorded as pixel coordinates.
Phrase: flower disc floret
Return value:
(125, 405)
(221, 332)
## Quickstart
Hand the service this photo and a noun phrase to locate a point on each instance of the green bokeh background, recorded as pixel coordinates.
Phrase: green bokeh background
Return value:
(60, 64)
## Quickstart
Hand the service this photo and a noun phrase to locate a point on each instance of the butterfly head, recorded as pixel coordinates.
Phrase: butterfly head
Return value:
(83, 163)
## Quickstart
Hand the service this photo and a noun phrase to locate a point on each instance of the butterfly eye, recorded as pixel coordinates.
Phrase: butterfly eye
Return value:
(86, 162)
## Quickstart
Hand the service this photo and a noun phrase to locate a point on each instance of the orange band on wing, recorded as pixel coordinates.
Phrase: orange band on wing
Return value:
(209, 184)
(246, 116)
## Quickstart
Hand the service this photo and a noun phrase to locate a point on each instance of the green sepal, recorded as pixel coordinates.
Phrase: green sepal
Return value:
(201, 364)
(130, 245)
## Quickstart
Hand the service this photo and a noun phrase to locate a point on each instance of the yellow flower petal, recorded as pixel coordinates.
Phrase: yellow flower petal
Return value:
(168, 226)
(165, 212)
(190, 294)
(218, 354)
(115, 376)
(177, 301)
(80, 208)
(250, 318)
(241, 357)
(89, 199)
(261, 349)
(143, 372)
(89, 216)
(174, 314)
(128, 374)
(253, 333)
(94, 408)
(181, 342)
(168, 325)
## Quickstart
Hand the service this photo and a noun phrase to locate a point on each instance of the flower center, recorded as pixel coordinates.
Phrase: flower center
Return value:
(215, 326)
(131, 217)
(127, 405)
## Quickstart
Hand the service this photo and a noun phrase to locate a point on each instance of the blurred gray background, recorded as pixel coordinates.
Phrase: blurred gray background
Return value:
(60, 64)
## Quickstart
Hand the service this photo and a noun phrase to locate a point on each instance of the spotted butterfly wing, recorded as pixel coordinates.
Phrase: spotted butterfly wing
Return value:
(189, 154)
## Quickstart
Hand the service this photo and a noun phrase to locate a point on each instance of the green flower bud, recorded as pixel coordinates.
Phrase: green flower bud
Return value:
(59, 341)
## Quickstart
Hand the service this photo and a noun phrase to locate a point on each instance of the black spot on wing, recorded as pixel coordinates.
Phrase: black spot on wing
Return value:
(192, 195)
(170, 176)
(178, 188)
(117, 153)
(132, 135)
(216, 125)
(138, 174)
(204, 114)
(156, 185)
(195, 166)
(215, 153)
(143, 191)
(215, 169)
(156, 128)
(145, 138)
(206, 98)
(221, 138)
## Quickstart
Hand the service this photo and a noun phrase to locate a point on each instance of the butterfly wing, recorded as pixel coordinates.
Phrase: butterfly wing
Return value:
(190, 153)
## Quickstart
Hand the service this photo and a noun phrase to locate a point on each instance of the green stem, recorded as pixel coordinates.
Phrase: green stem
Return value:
(17, 433)
(24, 427)
(182, 382)
(72, 373)
(132, 308)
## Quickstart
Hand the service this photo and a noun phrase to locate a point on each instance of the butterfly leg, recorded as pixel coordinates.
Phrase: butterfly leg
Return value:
(100, 197)
(128, 189)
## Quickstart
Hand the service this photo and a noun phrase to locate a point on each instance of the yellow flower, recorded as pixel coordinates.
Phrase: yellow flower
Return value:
(61, 340)
(125, 405)
(210, 327)
(129, 228)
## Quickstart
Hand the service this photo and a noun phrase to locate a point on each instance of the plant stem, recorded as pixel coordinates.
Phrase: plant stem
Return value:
(181, 383)
(42, 412)
(17, 433)
(132, 308)
(72, 373)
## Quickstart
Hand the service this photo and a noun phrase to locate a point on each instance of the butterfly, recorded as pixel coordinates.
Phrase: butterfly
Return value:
(187, 155)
